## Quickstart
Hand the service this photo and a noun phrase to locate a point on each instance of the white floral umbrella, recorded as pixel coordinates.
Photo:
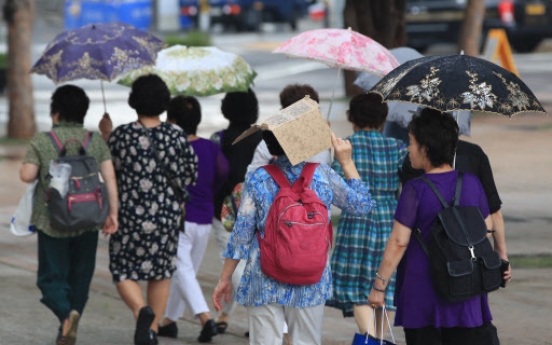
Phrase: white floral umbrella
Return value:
(197, 71)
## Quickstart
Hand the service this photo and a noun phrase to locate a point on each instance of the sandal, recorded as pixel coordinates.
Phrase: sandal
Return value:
(221, 327)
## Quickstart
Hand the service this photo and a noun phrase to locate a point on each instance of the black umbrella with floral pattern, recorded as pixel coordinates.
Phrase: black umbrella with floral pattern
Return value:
(458, 82)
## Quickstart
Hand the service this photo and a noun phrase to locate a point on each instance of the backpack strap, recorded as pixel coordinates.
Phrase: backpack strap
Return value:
(436, 191)
(458, 192)
(55, 140)
(277, 175)
(60, 148)
(456, 202)
(307, 173)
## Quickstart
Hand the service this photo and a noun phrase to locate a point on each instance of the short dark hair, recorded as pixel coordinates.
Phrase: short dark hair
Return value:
(240, 107)
(367, 110)
(272, 144)
(70, 102)
(149, 95)
(438, 133)
(295, 92)
(185, 111)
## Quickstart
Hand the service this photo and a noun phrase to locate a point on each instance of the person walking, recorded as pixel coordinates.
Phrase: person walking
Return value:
(242, 110)
(360, 241)
(151, 157)
(269, 302)
(66, 260)
(426, 318)
(185, 111)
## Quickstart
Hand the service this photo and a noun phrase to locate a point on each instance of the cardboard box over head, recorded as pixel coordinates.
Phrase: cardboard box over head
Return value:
(300, 129)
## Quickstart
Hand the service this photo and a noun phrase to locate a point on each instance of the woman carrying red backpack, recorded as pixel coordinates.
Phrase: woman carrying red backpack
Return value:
(271, 302)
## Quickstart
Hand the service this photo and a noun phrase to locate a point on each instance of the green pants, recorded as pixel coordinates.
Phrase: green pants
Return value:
(65, 270)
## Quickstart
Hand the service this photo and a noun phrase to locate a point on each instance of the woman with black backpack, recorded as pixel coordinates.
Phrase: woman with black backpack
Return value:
(426, 317)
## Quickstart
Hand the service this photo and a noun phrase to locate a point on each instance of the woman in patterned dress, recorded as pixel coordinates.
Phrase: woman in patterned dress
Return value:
(149, 216)
(361, 241)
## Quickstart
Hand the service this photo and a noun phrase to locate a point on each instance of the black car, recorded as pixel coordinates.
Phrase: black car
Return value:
(527, 22)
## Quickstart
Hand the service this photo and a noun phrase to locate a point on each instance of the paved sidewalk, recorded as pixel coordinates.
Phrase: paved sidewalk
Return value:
(521, 311)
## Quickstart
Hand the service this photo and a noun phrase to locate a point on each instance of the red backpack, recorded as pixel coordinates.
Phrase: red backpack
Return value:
(298, 233)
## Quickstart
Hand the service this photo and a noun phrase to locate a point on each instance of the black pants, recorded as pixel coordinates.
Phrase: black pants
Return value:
(483, 335)
(65, 270)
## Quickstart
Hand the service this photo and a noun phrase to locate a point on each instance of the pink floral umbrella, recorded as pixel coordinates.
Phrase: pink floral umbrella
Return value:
(341, 49)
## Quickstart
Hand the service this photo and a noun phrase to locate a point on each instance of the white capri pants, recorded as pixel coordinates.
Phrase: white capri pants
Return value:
(185, 289)
(266, 323)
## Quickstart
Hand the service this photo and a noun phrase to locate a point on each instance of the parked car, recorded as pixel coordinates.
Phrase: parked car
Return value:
(527, 22)
(246, 15)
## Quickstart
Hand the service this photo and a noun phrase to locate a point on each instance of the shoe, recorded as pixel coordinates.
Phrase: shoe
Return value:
(221, 327)
(170, 330)
(209, 330)
(142, 334)
(72, 324)
(153, 337)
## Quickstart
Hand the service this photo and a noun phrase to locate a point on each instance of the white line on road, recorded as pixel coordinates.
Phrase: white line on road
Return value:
(282, 70)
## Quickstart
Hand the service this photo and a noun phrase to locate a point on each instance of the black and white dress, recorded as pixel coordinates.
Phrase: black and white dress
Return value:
(144, 247)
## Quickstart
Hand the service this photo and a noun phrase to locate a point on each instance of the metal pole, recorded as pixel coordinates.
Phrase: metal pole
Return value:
(333, 93)
(103, 96)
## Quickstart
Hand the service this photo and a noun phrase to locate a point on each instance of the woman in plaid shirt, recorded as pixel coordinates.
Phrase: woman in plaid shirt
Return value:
(361, 241)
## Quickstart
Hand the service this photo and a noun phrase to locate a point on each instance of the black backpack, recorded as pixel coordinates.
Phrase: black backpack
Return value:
(462, 260)
(86, 204)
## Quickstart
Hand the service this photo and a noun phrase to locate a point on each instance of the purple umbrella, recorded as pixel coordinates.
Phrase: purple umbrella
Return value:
(98, 52)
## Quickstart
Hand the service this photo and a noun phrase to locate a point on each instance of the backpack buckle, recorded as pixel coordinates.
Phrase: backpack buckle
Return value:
(472, 251)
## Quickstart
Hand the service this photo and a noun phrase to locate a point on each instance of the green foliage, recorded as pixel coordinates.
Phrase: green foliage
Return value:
(3, 60)
(7, 141)
(191, 39)
(535, 261)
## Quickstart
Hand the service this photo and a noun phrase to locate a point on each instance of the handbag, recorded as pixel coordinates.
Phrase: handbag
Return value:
(173, 180)
(367, 339)
(20, 224)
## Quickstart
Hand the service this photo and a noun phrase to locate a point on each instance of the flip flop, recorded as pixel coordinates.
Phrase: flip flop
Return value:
(221, 327)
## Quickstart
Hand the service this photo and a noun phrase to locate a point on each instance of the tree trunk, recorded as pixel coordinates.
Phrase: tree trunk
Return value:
(19, 15)
(470, 36)
(382, 20)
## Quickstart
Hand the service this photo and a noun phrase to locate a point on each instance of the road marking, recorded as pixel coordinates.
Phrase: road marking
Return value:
(282, 70)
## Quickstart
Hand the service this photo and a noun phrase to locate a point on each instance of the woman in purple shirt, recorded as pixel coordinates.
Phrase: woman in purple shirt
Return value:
(211, 174)
(426, 318)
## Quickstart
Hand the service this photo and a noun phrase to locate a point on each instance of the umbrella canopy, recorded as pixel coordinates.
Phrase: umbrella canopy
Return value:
(98, 52)
(458, 82)
(340, 48)
(366, 80)
(401, 112)
(198, 71)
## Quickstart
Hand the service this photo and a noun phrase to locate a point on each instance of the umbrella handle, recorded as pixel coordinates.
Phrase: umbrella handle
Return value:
(333, 93)
(103, 96)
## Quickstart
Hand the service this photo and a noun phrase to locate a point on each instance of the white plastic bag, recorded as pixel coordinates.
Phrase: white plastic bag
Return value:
(60, 173)
(20, 224)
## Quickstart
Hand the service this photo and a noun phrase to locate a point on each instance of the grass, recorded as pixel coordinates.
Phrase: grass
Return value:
(191, 39)
(13, 141)
(3, 60)
(534, 261)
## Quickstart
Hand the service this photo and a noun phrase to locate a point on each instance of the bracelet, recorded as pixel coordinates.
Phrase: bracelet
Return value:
(384, 280)
(379, 290)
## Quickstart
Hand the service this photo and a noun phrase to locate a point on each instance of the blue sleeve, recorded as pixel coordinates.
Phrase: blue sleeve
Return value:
(352, 196)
